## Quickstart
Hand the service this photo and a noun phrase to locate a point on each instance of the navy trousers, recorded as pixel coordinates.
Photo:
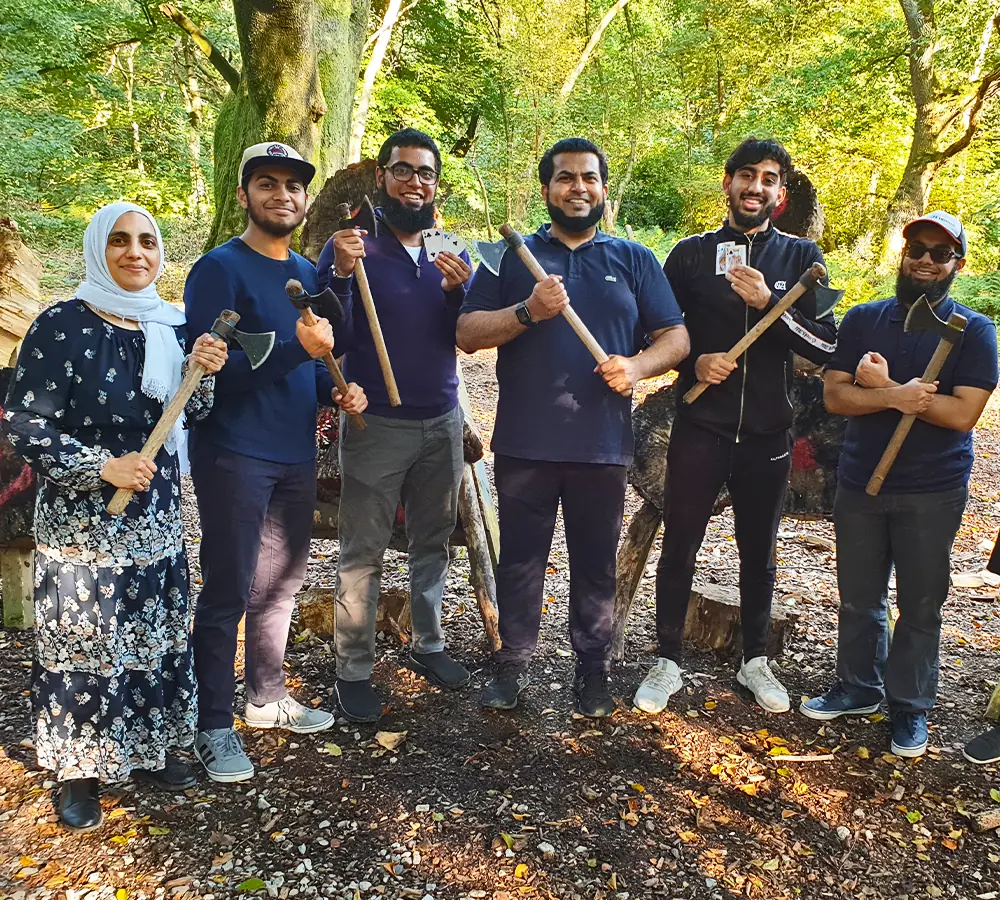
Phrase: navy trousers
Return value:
(256, 523)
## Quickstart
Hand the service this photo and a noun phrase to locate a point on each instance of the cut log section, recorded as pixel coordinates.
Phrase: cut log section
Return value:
(20, 288)
(17, 571)
(631, 565)
(713, 621)
(317, 612)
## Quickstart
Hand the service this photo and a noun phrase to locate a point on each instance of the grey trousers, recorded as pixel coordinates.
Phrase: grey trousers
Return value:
(914, 532)
(418, 463)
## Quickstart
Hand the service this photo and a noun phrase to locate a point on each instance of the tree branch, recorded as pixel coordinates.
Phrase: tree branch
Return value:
(988, 88)
(984, 44)
(595, 39)
(201, 41)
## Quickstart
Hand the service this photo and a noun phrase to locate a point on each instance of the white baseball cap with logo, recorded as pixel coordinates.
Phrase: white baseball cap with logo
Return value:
(272, 153)
(948, 223)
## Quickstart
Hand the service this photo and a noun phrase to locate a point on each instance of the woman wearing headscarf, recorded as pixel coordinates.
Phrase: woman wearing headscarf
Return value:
(112, 686)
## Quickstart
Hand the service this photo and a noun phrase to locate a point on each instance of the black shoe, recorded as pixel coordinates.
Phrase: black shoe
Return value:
(593, 698)
(440, 668)
(985, 748)
(79, 805)
(507, 684)
(358, 700)
(176, 775)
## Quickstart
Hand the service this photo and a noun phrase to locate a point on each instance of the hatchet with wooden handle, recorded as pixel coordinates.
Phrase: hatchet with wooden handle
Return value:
(810, 278)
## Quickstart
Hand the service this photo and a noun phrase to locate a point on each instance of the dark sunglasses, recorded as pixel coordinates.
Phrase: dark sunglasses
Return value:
(404, 172)
(940, 255)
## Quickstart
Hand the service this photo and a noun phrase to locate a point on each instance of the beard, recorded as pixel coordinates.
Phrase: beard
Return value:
(909, 290)
(750, 220)
(273, 228)
(575, 224)
(405, 218)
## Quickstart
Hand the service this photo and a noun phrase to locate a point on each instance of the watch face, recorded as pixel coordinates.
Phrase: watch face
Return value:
(523, 316)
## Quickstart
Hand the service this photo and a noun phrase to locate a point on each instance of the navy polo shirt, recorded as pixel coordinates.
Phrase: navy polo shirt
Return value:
(552, 405)
(932, 458)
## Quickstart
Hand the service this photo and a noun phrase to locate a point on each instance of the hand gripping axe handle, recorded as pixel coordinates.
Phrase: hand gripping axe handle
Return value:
(810, 278)
(516, 243)
(366, 219)
(300, 300)
(223, 328)
(920, 317)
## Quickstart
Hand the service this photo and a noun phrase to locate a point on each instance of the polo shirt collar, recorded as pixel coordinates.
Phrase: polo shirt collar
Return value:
(544, 232)
(897, 312)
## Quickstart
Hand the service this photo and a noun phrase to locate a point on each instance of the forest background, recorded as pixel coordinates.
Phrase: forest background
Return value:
(890, 107)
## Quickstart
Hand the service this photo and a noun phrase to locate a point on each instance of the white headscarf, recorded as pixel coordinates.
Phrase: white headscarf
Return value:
(161, 375)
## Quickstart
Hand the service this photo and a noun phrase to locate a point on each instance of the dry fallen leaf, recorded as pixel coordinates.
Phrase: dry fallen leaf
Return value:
(390, 740)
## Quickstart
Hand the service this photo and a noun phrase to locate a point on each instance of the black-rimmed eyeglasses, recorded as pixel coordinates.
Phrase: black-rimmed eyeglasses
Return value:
(404, 172)
(940, 255)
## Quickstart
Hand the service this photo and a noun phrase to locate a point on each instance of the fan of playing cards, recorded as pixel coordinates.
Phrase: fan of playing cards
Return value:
(437, 241)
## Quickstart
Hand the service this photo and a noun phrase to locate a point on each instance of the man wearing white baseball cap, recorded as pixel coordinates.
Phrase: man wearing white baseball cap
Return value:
(254, 462)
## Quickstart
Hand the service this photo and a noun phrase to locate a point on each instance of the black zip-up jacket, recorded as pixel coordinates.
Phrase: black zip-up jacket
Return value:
(756, 397)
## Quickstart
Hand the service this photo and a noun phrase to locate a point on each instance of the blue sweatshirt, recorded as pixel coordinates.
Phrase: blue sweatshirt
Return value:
(268, 412)
(418, 322)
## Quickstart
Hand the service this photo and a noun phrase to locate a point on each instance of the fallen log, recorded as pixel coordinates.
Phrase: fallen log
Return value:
(630, 567)
(481, 575)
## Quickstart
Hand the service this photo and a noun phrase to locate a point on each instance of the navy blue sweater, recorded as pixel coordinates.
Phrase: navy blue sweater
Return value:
(418, 322)
(269, 412)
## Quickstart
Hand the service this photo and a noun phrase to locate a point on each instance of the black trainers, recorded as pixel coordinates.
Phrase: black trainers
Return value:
(176, 775)
(440, 668)
(358, 700)
(507, 684)
(984, 749)
(593, 697)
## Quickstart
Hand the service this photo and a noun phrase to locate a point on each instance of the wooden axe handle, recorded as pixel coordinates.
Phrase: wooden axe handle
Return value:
(895, 444)
(815, 273)
(161, 430)
(576, 323)
(338, 377)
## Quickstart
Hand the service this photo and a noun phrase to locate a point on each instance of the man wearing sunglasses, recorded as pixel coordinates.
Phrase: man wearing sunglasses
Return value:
(873, 379)
(410, 453)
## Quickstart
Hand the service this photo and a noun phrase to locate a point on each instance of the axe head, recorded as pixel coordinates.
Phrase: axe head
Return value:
(256, 346)
(492, 254)
(325, 303)
(364, 218)
(922, 318)
(826, 299)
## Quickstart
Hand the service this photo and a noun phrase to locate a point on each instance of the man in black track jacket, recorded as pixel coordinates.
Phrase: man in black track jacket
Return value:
(737, 432)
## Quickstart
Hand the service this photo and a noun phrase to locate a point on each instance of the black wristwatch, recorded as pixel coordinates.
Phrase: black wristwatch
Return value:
(523, 316)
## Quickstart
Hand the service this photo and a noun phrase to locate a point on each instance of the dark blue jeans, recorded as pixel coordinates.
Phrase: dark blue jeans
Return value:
(914, 532)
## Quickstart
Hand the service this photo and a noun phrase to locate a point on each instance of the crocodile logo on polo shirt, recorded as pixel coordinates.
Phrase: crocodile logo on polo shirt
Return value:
(611, 278)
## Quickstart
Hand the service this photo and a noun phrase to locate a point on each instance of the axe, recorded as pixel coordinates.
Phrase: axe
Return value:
(257, 348)
(326, 301)
(365, 219)
(826, 299)
(492, 254)
(920, 318)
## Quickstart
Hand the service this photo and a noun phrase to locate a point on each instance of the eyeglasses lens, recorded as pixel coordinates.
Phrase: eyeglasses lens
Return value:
(940, 255)
(404, 172)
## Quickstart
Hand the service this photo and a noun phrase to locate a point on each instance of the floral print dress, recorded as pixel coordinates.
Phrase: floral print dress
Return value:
(113, 686)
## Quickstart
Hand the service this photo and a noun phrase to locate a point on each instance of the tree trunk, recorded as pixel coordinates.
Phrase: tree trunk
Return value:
(129, 73)
(187, 83)
(300, 67)
(588, 51)
(360, 119)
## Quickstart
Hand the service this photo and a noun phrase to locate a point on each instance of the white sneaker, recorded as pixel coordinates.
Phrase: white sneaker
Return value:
(662, 682)
(757, 676)
(289, 714)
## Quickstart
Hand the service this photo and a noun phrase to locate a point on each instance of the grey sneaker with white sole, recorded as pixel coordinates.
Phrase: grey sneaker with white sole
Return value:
(220, 751)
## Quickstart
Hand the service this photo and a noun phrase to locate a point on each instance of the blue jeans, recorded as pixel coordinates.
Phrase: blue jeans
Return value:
(914, 533)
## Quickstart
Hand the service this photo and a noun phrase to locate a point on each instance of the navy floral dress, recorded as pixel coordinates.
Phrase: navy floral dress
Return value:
(113, 686)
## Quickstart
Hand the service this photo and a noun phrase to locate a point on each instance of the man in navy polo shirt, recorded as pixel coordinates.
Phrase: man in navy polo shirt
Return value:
(563, 427)
(411, 453)
(874, 378)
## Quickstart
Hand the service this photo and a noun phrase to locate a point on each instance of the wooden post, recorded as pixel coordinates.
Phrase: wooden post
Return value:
(631, 565)
(487, 507)
(480, 566)
(17, 571)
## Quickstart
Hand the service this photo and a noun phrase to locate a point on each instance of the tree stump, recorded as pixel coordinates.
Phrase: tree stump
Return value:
(17, 572)
(713, 621)
(317, 612)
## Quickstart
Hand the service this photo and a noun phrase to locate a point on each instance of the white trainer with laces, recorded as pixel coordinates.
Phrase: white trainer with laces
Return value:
(289, 714)
(757, 677)
(662, 682)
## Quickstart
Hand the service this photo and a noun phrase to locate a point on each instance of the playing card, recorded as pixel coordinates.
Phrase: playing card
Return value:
(736, 256)
(453, 244)
(432, 242)
(721, 256)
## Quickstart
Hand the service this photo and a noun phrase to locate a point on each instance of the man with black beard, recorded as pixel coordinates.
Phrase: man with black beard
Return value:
(873, 379)
(253, 461)
(563, 427)
(737, 433)
(409, 454)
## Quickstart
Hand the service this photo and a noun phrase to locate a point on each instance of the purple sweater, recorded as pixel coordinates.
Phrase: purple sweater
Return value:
(418, 322)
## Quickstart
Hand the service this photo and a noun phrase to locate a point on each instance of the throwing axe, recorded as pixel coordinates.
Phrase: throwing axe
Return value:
(492, 254)
(328, 303)
(365, 219)
(920, 318)
(257, 348)
(826, 300)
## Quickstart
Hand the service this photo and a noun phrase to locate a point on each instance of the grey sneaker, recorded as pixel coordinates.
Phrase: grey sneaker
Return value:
(289, 714)
(220, 751)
